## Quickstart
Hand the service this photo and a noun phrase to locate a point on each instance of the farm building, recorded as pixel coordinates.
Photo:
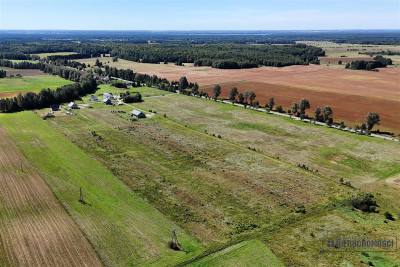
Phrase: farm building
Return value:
(138, 114)
(54, 107)
(72, 105)
(106, 79)
(108, 96)
(93, 98)
(107, 101)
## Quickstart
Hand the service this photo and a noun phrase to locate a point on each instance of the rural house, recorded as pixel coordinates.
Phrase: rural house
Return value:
(54, 107)
(107, 101)
(72, 105)
(108, 96)
(93, 98)
(138, 114)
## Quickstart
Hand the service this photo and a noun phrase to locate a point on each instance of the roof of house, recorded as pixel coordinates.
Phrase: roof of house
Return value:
(136, 112)
(107, 95)
(71, 104)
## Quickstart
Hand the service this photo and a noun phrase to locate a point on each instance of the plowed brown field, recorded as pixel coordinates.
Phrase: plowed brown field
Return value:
(34, 229)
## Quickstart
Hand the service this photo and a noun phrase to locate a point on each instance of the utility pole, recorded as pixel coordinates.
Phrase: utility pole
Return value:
(81, 195)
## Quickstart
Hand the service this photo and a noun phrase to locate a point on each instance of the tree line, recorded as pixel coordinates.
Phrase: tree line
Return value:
(378, 62)
(47, 97)
(3, 73)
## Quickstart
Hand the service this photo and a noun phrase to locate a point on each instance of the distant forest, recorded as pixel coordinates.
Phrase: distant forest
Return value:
(388, 37)
(224, 56)
(219, 49)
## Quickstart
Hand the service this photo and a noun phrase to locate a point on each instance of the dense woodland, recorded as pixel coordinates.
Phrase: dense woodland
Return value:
(378, 62)
(226, 56)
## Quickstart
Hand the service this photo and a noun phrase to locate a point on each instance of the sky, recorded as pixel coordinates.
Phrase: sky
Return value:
(199, 14)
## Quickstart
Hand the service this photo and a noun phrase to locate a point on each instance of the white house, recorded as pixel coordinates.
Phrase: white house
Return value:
(108, 96)
(72, 105)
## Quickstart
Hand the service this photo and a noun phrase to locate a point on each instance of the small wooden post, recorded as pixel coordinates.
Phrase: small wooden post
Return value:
(81, 195)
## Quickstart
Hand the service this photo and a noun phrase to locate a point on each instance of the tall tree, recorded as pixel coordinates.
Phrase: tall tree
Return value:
(317, 114)
(252, 96)
(303, 105)
(240, 98)
(216, 91)
(295, 107)
(371, 119)
(327, 113)
(183, 83)
(233, 92)
(195, 89)
(271, 103)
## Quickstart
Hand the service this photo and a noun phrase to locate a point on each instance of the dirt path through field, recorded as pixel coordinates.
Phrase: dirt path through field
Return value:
(34, 228)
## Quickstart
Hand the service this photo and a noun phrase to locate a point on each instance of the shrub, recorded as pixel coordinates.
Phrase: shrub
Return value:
(300, 209)
(279, 108)
(364, 202)
(133, 98)
(389, 216)
(243, 226)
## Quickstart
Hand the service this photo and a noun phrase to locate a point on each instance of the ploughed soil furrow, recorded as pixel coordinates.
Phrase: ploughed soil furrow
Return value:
(34, 229)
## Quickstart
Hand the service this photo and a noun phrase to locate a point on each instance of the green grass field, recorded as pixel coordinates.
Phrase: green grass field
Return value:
(124, 229)
(43, 55)
(32, 83)
(23, 60)
(247, 254)
(144, 91)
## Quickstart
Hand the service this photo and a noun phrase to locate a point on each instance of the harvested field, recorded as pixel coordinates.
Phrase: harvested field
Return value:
(343, 111)
(351, 93)
(34, 229)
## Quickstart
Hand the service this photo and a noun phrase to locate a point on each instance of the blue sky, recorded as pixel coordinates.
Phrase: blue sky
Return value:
(199, 14)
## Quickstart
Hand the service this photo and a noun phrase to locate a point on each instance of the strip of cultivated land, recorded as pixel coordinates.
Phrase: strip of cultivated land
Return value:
(216, 188)
(123, 229)
(34, 229)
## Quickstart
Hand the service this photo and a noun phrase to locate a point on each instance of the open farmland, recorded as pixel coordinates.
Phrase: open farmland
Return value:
(34, 229)
(31, 81)
(346, 51)
(335, 154)
(180, 170)
(350, 93)
(123, 229)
